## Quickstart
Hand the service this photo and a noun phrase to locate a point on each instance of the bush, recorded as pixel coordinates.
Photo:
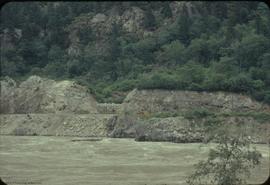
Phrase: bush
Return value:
(158, 81)
(267, 97)
(228, 163)
(240, 83)
(215, 82)
(124, 85)
(198, 114)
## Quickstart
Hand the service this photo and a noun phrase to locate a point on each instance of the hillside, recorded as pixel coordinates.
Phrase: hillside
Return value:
(37, 95)
(40, 106)
(114, 47)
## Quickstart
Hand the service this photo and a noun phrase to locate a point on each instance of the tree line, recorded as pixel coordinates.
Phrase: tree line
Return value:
(224, 46)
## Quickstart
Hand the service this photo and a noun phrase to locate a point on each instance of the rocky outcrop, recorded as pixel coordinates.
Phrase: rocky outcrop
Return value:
(182, 130)
(61, 124)
(41, 106)
(172, 129)
(177, 8)
(156, 101)
(39, 95)
(109, 108)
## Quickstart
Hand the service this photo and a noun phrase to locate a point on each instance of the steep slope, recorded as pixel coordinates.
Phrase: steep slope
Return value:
(39, 95)
(60, 124)
(156, 101)
(41, 106)
(183, 116)
(115, 47)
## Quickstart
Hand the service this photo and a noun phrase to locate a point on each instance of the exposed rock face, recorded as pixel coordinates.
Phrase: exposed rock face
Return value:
(38, 95)
(101, 25)
(132, 20)
(109, 108)
(176, 129)
(56, 124)
(154, 101)
(7, 96)
(40, 106)
(181, 130)
(98, 18)
(177, 8)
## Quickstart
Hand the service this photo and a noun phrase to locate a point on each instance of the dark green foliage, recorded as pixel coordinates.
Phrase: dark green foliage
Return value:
(158, 81)
(166, 10)
(183, 27)
(208, 46)
(149, 21)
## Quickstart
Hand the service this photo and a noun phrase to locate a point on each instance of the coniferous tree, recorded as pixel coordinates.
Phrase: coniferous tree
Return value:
(184, 23)
(149, 21)
(114, 51)
(166, 10)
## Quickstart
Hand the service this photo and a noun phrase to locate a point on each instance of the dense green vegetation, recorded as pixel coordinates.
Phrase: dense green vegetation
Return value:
(224, 46)
(200, 113)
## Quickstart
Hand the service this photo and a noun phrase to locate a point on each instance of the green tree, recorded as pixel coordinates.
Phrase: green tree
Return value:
(199, 51)
(114, 51)
(249, 50)
(166, 10)
(144, 49)
(172, 53)
(183, 26)
(192, 74)
(229, 162)
(240, 83)
(149, 20)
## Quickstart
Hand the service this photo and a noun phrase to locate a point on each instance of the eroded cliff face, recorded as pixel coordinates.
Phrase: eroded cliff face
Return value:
(130, 21)
(39, 95)
(60, 124)
(182, 130)
(101, 27)
(157, 101)
(231, 110)
(40, 106)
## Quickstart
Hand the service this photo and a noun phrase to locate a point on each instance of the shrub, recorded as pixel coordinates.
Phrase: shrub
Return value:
(227, 164)
(240, 83)
(198, 114)
(158, 81)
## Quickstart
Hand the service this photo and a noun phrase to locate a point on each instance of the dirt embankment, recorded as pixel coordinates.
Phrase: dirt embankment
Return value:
(182, 130)
(61, 124)
(39, 95)
(41, 106)
(160, 115)
(156, 101)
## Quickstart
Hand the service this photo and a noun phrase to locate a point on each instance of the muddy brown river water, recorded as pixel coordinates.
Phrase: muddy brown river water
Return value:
(61, 161)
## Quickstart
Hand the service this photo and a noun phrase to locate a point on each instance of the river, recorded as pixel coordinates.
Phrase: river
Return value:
(61, 161)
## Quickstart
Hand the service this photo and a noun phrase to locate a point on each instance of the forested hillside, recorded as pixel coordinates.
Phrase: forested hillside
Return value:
(113, 47)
